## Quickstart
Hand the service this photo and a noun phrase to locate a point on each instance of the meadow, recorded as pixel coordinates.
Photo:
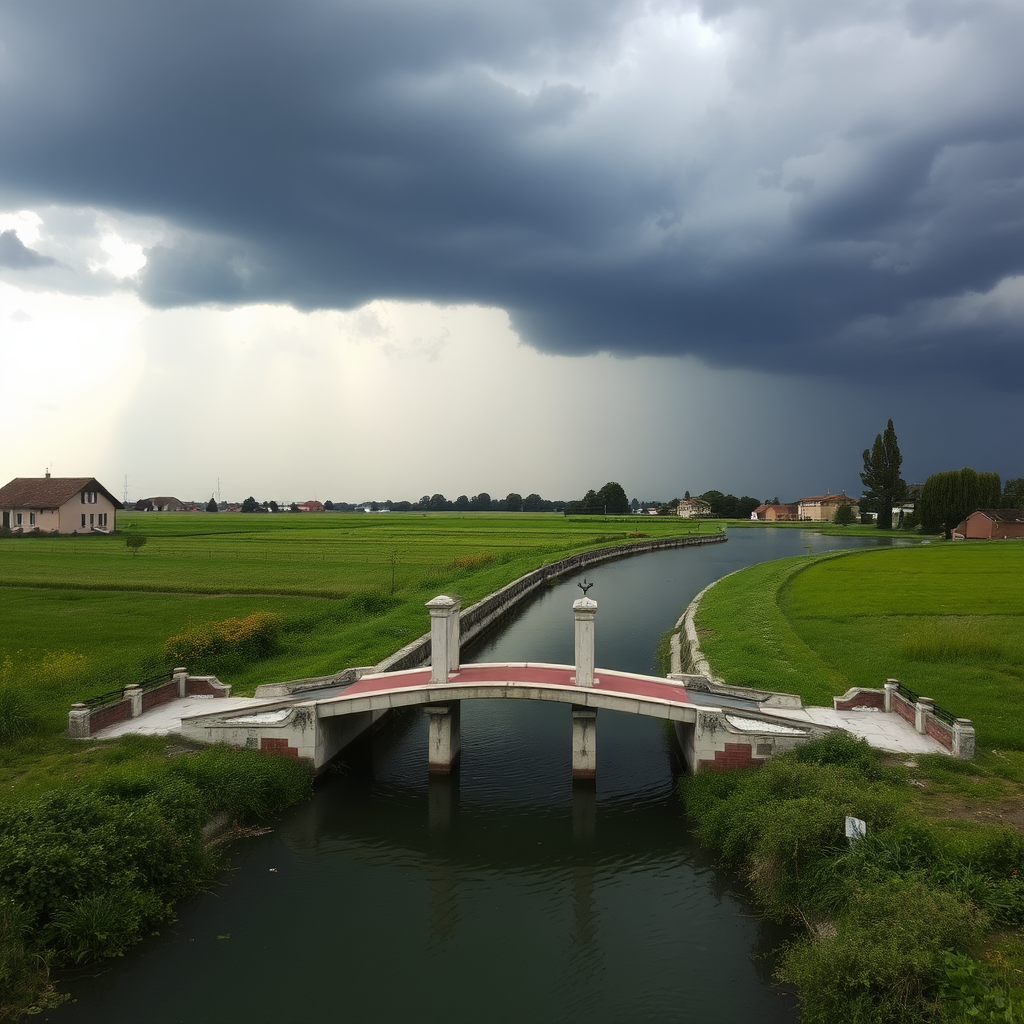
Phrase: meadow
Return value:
(945, 619)
(83, 615)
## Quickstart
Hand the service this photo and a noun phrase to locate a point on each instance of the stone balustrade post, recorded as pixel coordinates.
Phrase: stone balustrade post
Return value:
(444, 637)
(584, 611)
(922, 712)
(891, 688)
(78, 722)
(180, 676)
(133, 694)
(963, 738)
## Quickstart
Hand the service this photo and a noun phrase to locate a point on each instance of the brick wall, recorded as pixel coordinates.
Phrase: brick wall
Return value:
(203, 688)
(272, 745)
(110, 715)
(864, 699)
(735, 755)
(159, 695)
(904, 709)
(939, 730)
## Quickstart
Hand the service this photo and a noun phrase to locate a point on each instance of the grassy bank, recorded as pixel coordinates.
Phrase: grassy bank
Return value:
(948, 620)
(922, 921)
(918, 921)
(90, 868)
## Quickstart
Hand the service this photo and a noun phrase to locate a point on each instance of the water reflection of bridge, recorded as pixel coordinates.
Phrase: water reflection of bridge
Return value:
(714, 729)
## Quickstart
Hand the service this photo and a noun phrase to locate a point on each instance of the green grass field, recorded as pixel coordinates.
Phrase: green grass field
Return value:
(946, 619)
(84, 615)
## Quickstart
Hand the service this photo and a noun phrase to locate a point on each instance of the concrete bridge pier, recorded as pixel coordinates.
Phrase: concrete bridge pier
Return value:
(584, 743)
(444, 742)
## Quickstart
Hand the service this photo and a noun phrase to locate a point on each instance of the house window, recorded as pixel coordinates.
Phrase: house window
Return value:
(83, 519)
(91, 517)
(31, 519)
(17, 519)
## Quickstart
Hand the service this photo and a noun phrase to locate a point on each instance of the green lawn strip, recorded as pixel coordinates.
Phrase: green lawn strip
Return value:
(749, 642)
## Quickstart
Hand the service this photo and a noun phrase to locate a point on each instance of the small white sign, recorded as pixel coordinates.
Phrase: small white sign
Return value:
(855, 829)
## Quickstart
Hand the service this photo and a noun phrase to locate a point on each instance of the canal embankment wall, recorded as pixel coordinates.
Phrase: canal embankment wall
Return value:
(479, 617)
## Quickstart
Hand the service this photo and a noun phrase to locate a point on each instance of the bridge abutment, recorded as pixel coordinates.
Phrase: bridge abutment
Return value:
(444, 743)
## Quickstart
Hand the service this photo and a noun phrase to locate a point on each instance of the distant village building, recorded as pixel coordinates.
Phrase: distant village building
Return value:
(311, 506)
(775, 513)
(160, 504)
(992, 524)
(59, 504)
(693, 508)
(821, 508)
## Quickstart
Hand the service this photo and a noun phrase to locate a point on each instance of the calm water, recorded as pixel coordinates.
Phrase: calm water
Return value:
(500, 895)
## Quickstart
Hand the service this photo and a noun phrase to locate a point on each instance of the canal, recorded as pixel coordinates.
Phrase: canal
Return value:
(501, 895)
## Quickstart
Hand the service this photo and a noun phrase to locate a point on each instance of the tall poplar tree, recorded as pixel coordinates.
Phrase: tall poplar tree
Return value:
(883, 485)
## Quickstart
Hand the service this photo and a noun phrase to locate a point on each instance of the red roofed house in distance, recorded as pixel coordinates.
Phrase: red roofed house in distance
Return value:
(58, 504)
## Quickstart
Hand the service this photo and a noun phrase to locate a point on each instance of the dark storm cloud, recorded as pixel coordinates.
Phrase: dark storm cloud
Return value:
(818, 185)
(18, 256)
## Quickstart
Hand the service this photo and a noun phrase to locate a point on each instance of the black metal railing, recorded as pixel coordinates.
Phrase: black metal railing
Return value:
(114, 696)
(939, 712)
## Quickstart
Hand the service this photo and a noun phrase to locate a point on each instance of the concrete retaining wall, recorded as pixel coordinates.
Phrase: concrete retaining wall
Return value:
(478, 617)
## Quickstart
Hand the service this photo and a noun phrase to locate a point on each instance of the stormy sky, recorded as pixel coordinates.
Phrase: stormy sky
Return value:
(380, 248)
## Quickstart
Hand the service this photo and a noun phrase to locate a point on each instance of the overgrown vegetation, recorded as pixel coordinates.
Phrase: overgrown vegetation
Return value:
(216, 646)
(893, 925)
(86, 871)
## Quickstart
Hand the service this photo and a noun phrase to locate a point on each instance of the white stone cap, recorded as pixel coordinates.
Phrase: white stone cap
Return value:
(584, 604)
(443, 603)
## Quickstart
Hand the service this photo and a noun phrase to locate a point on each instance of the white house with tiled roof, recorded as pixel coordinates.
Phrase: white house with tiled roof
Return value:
(58, 504)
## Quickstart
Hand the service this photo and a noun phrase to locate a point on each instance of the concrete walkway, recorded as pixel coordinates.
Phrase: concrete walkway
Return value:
(166, 718)
(885, 732)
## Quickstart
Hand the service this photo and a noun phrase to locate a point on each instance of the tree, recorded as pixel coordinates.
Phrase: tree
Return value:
(274, 507)
(533, 503)
(293, 507)
(612, 499)
(462, 503)
(884, 487)
(950, 497)
(134, 541)
(1013, 493)
(250, 504)
(211, 506)
(844, 515)
(745, 506)
(480, 502)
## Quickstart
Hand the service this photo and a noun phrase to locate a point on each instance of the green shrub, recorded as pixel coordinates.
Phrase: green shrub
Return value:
(216, 646)
(883, 957)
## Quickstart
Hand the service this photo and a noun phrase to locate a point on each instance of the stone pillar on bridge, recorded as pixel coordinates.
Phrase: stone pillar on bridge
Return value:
(584, 743)
(444, 637)
(584, 611)
(444, 741)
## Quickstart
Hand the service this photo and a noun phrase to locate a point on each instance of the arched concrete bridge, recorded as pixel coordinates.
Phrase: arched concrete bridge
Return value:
(714, 729)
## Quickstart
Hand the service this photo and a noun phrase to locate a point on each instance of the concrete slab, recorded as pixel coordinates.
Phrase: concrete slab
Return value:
(886, 732)
(167, 717)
